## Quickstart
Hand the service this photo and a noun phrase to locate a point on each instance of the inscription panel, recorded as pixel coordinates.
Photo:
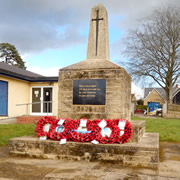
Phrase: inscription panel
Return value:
(89, 91)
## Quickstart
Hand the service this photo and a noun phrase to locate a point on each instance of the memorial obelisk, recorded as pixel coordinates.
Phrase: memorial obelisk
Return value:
(95, 88)
(98, 43)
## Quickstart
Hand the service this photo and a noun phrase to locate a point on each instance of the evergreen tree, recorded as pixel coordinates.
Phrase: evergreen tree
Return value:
(9, 54)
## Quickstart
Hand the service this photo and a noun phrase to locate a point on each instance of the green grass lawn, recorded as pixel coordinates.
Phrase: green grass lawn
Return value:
(168, 129)
(8, 131)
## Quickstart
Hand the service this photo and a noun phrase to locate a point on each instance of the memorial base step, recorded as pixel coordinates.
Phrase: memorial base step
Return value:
(144, 154)
(138, 130)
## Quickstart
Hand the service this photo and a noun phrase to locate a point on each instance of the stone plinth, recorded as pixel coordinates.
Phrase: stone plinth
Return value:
(142, 154)
(118, 91)
(138, 130)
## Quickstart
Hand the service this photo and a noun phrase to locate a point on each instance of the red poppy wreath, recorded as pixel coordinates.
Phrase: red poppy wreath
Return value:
(60, 129)
(82, 130)
(105, 131)
(126, 130)
(43, 126)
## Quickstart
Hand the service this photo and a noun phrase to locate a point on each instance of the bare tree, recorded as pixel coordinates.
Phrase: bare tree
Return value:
(153, 49)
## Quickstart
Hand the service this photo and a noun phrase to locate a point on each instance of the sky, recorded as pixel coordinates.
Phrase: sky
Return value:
(51, 34)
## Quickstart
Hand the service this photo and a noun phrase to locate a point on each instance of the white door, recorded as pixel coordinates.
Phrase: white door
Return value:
(41, 99)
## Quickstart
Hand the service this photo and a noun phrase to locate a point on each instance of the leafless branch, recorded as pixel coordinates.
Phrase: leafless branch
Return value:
(153, 49)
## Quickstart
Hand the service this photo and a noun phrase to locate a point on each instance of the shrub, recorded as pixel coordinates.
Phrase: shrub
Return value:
(141, 107)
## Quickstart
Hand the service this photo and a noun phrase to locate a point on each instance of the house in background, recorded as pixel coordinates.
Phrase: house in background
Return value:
(20, 87)
(158, 95)
(154, 95)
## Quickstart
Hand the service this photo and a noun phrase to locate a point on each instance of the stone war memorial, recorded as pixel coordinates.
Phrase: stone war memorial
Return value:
(77, 97)
(95, 90)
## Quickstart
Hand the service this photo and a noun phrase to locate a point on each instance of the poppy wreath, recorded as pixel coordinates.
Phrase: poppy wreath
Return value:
(77, 135)
(64, 132)
(126, 130)
(44, 122)
(98, 132)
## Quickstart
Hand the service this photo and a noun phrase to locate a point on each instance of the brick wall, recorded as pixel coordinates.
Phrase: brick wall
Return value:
(28, 119)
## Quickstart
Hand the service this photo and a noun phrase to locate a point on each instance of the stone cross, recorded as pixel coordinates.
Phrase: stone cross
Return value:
(97, 27)
(98, 43)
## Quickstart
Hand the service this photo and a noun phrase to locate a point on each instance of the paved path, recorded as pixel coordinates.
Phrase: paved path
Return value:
(8, 121)
(36, 169)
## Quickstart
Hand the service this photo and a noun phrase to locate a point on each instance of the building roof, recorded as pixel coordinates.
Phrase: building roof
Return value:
(18, 73)
(176, 92)
(161, 91)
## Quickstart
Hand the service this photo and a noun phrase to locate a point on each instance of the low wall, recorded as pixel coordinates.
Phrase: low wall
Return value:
(173, 107)
(173, 111)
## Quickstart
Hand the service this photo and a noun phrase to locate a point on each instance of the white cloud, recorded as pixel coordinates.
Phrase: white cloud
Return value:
(53, 71)
(139, 92)
(37, 25)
